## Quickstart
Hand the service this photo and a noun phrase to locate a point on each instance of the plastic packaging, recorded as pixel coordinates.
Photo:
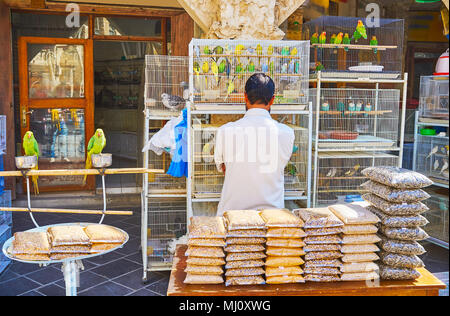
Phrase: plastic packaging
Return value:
(357, 267)
(395, 195)
(401, 247)
(399, 221)
(395, 209)
(205, 252)
(323, 255)
(321, 278)
(323, 231)
(32, 257)
(243, 219)
(205, 261)
(249, 280)
(96, 248)
(360, 239)
(203, 279)
(245, 240)
(283, 261)
(209, 270)
(68, 235)
(244, 271)
(410, 234)
(271, 271)
(360, 257)
(284, 252)
(206, 242)
(322, 270)
(332, 247)
(236, 256)
(30, 243)
(258, 233)
(285, 279)
(359, 229)
(285, 242)
(61, 256)
(318, 218)
(401, 261)
(392, 273)
(359, 248)
(98, 233)
(280, 218)
(285, 232)
(320, 240)
(353, 214)
(323, 263)
(74, 249)
(244, 264)
(360, 276)
(397, 177)
(206, 227)
(244, 248)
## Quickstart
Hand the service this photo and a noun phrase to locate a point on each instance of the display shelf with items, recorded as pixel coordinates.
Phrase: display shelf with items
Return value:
(348, 47)
(339, 175)
(166, 85)
(434, 97)
(357, 118)
(219, 70)
(437, 215)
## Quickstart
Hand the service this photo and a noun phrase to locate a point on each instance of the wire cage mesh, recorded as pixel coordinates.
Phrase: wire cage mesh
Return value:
(433, 102)
(166, 84)
(432, 157)
(339, 175)
(2, 134)
(353, 55)
(5, 201)
(437, 214)
(166, 222)
(357, 118)
(5, 234)
(220, 69)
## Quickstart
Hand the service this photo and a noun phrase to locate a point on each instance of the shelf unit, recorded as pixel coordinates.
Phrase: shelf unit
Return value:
(378, 140)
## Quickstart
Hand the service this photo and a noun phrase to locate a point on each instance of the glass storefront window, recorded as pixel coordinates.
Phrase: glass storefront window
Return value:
(118, 26)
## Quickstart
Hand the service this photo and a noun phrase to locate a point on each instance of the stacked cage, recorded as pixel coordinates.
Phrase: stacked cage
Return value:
(438, 215)
(395, 196)
(433, 102)
(220, 69)
(322, 244)
(205, 250)
(350, 47)
(432, 157)
(284, 247)
(244, 247)
(358, 242)
(5, 199)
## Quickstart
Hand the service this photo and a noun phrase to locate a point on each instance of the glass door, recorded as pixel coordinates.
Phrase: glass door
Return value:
(56, 104)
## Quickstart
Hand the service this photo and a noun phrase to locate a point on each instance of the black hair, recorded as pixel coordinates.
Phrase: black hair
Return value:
(259, 88)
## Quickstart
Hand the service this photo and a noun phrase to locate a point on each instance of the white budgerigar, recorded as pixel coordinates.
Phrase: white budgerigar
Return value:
(331, 173)
(173, 102)
(436, 164)
(433, 151)
(444, 167)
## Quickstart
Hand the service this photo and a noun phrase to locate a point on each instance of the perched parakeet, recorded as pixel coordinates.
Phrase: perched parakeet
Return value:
(206, 50)
(358, 106)
(215, 71)
(367, 108)
(270, 50)
(230, 87)
(333, 39)
(197, 72)
(323, 38)
(290, 169)
(218, 50)
(95, 146)
(284, 68)
(239, 68)
(251, 66)
(346, 41)
(374, 42)
(291, 67)
(265, 68)
(259, 50)
(205, 67)
(271, 68)
(351, 107)
(340, 107)
(325, 106)
(285, 51)
(315, 38)
(222, 66)
(31, 148)
(433, 151)
(319, 66)
(338, 39)
(297, 67)
(360, 31)
(197, 51)
(238, 50)
(294, 51)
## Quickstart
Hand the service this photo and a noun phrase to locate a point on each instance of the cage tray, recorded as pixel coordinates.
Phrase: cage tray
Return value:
(357, 75)
(361, 140)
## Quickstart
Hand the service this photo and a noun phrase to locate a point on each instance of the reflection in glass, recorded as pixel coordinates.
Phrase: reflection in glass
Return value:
(60, 134)
(118, 26)
(55, 71)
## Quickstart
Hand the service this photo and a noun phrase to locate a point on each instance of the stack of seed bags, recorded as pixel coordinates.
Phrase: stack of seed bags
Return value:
(244, 247)
(322, 259)
(205, 250)
(68, 241)
(395, 197)
(33, 246)
(104, 237)
(358, 242)
(284, 246)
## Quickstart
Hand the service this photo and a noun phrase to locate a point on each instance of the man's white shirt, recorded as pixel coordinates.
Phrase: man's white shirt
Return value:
(255, 150)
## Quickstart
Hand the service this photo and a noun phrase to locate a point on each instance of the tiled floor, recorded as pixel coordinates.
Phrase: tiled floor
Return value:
(120, 273)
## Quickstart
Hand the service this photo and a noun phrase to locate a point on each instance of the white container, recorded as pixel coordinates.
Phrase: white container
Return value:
(101, 160)
(26, 162)
(442, 65)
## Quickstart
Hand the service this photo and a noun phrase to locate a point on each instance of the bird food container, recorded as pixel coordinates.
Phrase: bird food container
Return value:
(26, 162)
(101, 160)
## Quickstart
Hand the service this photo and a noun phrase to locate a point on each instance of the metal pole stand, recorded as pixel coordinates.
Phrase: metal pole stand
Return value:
(71, 271)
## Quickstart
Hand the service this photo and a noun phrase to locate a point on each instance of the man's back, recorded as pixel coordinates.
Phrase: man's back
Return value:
(255, 150)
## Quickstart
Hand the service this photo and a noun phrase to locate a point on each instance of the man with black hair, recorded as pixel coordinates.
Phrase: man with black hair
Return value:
(253, 152)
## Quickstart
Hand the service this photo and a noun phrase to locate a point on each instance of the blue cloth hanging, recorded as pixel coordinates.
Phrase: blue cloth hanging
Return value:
(179, 165)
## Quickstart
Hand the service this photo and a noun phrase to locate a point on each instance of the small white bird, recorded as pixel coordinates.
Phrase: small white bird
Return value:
(441, 134)
(433, 151)
(173, 102)
(359, 106)
(172, 244)
(331, 173)
(444, 167)
(436, 164)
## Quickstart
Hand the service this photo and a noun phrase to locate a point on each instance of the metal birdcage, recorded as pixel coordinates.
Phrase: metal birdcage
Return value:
(354, 56)
(437, 214)
(339, 175)
(2, 134)
(432, 157)
(219, 70)
(434, 97)
(356, 118)
(166, 84)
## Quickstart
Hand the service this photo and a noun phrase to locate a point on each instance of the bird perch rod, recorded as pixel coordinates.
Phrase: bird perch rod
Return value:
(77, 172)
(54, 210)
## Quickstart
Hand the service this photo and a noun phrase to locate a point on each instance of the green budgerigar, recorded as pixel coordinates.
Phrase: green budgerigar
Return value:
(332, 39)
(314, 38)
(374, 42)
(323, 38)
(346, 41)
(360, 31)
(31, 148)
(95, 146)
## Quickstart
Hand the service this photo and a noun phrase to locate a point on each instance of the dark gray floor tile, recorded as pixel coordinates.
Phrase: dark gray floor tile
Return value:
(32, 293)
(17, 286)
(132, 246)
(23, 268)
(106, 289)
(46, 275)
(103, 259)
(87, 280)
(8, 274)
(144, 292)
(116, 268)
(135, 257)
(52, 290)
(133, 279)
(134, 231)
(160, 286)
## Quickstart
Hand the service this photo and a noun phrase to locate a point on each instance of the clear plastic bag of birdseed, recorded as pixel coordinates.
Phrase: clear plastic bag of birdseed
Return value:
(209, 270)
(285, 242)
(206, 227)
(404, 233)
(395, 195)
(208, 252)
(285, 232)
(243, 219)
(317, 240)
(402, 247)
(325, 247)
(359, 229)
(318, 218)
(393, 273)
(244, 264)
(236, 256)
(409, 221)
(360, 276)
(353, 214)
(395, 209)
(323, 231)
(322, 270)
(321, 278)
(359, 257)
(336, 263)
(259, 233)
(360, 239)
(285, 279)
(244, 271)
(359, 248)
(245, 280)
(280, 218)
(283, 261)
(357, 267)
(245, 240)
(323, 255)
(277, 271)
(203, 279)
(397, 177)
(401, 261)
(206, 242)
(205, 261)
(284, 252)
(244, 248)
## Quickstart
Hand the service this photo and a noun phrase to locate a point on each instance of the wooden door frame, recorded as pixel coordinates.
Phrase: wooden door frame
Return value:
(86, 103)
